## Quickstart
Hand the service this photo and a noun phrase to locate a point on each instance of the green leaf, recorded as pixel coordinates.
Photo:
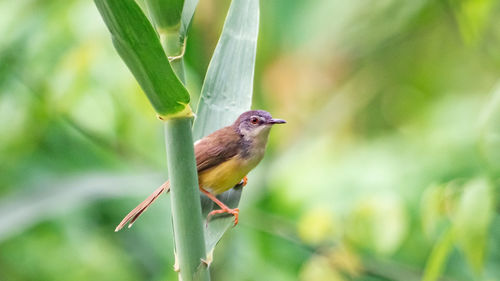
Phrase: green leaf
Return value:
(433, 212)
(489, 121)
(471, 221)
(165, 14)
(472, 17)
(228, 86)
(437, 260)
(54, 197)
(138, 45)
(186, 17)
(227, 92)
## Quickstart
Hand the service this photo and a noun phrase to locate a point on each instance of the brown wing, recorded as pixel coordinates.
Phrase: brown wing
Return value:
(212, 150)
(216, 148)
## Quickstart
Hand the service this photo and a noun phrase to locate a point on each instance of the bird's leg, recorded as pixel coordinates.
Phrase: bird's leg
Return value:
(223, 208)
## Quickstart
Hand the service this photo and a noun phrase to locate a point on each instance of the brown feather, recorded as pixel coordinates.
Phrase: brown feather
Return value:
(210, 151)
(137, 211)
(223, 157)
(216, 148)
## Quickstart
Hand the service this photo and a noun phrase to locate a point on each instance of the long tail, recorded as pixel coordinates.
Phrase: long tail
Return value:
(137, 211)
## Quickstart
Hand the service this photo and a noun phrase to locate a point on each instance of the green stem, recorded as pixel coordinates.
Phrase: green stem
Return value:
(186, 209)
(183, 175)
(173, 47)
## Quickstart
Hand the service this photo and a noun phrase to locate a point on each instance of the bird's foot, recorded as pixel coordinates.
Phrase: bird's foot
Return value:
(235, 212)
(243, 181)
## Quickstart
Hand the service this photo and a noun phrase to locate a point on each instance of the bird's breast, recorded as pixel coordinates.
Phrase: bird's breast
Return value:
(226, 175)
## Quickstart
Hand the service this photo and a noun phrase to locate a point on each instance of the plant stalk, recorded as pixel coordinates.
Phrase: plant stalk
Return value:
(183, 175)
(185, 200)
(173, 48)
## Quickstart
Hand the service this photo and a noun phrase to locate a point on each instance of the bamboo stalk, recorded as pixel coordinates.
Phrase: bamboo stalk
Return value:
(175, 50)
(185, 198)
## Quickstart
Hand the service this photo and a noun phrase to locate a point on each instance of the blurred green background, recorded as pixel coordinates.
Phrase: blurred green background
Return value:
(388, 168)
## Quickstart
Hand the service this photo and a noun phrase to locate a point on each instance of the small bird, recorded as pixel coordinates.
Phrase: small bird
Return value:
(223, 159)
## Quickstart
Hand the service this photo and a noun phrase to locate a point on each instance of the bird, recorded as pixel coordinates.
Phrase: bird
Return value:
(223, 159)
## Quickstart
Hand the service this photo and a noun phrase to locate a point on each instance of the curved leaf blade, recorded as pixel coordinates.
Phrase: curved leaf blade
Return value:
(138, 45)
(228, 86)
(472, 220)
(226, 93)
(186, 17)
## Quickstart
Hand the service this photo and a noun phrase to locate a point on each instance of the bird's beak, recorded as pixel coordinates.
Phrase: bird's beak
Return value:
(276, 121)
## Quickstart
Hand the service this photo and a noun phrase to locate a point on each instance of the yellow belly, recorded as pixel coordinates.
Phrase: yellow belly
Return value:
(224, 176)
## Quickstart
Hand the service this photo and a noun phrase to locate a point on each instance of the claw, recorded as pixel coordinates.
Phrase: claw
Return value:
(223, 208)
(244, 181)
(235, 212)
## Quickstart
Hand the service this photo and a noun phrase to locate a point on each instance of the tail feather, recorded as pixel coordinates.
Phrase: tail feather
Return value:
(137, 211)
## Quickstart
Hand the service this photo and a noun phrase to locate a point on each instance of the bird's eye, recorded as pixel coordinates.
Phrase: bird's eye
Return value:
(254, 120)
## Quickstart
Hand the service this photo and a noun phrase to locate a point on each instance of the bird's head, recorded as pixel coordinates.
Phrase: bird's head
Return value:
(255, 124)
